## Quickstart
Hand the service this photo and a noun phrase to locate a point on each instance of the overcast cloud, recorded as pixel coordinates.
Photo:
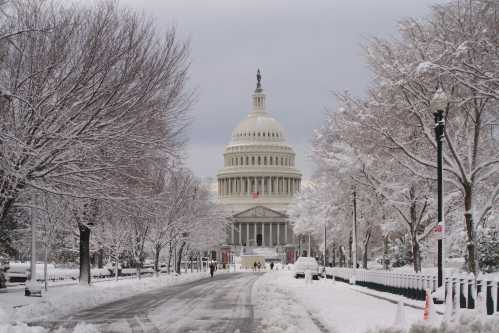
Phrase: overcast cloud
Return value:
(305, 49)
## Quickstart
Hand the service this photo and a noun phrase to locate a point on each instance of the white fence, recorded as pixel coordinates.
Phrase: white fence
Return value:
(413, 285)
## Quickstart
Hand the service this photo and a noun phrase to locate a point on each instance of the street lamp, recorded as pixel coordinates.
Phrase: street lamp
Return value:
(354, 235)
(325, 243)
(438, 104)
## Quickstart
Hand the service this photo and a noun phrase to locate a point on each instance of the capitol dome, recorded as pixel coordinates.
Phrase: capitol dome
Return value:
(259, 165)
(258, 127)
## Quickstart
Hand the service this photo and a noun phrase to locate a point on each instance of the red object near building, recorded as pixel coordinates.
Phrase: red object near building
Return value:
(290, 256)
(255, 194)
(225, 255)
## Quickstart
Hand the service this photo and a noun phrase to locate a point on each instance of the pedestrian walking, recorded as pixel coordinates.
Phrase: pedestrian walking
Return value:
(272, 266)
(254, 266)
(259, 266)
(212, 268)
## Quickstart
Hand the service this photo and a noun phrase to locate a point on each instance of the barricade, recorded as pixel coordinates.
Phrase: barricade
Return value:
(413, 285)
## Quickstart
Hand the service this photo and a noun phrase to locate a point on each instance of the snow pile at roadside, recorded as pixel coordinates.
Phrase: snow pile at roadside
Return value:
(468, 322)
(321, 306)
(21, 328)
(62, 301)
(276, 311)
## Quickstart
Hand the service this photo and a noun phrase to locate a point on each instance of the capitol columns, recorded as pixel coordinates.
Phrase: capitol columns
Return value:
(263, 233)
(256, 232)
(278, 234)
(285, 233)
(232, 227)
(271, 241)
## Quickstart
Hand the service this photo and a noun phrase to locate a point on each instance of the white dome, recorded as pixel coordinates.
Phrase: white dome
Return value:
(258, 127)
(259, 166)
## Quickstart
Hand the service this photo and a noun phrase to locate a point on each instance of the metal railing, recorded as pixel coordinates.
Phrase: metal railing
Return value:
(414, 285)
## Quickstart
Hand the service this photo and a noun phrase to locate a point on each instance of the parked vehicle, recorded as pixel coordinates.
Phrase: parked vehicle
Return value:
(306, 263)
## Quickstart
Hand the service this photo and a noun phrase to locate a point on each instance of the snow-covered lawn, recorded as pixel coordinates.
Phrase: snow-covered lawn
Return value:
(62, 301)
(285, 304)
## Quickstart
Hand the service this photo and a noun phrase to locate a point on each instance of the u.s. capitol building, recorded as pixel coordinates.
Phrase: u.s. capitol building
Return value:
(256, 185)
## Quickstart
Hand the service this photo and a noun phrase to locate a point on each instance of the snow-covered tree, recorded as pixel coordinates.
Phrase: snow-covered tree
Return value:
(390, 133)
(90, 99)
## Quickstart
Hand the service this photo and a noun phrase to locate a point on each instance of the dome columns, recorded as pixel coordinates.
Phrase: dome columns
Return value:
(258, 186)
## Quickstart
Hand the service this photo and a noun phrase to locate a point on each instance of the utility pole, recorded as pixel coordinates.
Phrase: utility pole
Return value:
(309, 246)
(439, 103)
(32, 276)
(325, 243)
(354, 236)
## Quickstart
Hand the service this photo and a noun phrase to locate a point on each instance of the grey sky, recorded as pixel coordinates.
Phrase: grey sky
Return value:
(305, 49)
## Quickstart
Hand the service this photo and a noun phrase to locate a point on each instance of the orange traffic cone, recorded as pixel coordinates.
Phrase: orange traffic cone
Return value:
(429, 313)
(426, 312)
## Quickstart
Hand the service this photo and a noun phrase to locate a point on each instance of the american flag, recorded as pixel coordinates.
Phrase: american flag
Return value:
(255, 194)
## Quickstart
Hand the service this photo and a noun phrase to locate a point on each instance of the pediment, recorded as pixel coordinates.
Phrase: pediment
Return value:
(259, 211)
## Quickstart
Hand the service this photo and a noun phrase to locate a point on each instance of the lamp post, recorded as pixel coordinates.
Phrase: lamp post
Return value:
(438, 104)
(354, 236)
(325, 243)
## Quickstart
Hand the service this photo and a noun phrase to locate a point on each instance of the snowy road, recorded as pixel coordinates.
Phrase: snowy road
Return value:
(221, 304)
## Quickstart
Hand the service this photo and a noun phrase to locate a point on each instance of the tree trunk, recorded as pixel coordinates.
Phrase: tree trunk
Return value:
(5, 206)
(364, 255)
(350, 243)
(116, 267)
(45, 267)
(367, 240)
(179, 257)
(169, 258)
(470, 230)
(157, 250)
(84, 254)
(100, 258)
(342, 256)
(334, 255)
(138, 265)
(416, 254)
(386, 261)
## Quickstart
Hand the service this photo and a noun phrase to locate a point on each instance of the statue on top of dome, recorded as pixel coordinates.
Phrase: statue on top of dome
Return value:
(258, 80)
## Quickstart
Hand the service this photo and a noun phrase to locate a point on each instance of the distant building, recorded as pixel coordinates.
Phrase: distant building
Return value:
(256, 185)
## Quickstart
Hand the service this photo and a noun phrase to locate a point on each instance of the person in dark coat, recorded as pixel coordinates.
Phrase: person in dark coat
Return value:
(254, 266)
(272, 266)
(212, 268)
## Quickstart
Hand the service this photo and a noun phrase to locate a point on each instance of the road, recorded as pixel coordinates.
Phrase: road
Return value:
(219, 304)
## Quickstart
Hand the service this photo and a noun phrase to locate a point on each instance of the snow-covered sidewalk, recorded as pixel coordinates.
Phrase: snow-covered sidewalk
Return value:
(285, 304)
(62, 301)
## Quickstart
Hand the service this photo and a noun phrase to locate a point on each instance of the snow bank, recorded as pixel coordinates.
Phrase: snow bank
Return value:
(276, 311)
(62, 301)
(467, 323)
(21, 328)
(285, 304)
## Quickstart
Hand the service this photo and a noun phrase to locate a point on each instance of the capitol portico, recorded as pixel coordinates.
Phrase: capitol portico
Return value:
(257, 183)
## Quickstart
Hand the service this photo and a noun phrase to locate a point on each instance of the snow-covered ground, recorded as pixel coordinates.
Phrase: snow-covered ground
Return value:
(285, 304)
(15, 308)
(279, 302)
